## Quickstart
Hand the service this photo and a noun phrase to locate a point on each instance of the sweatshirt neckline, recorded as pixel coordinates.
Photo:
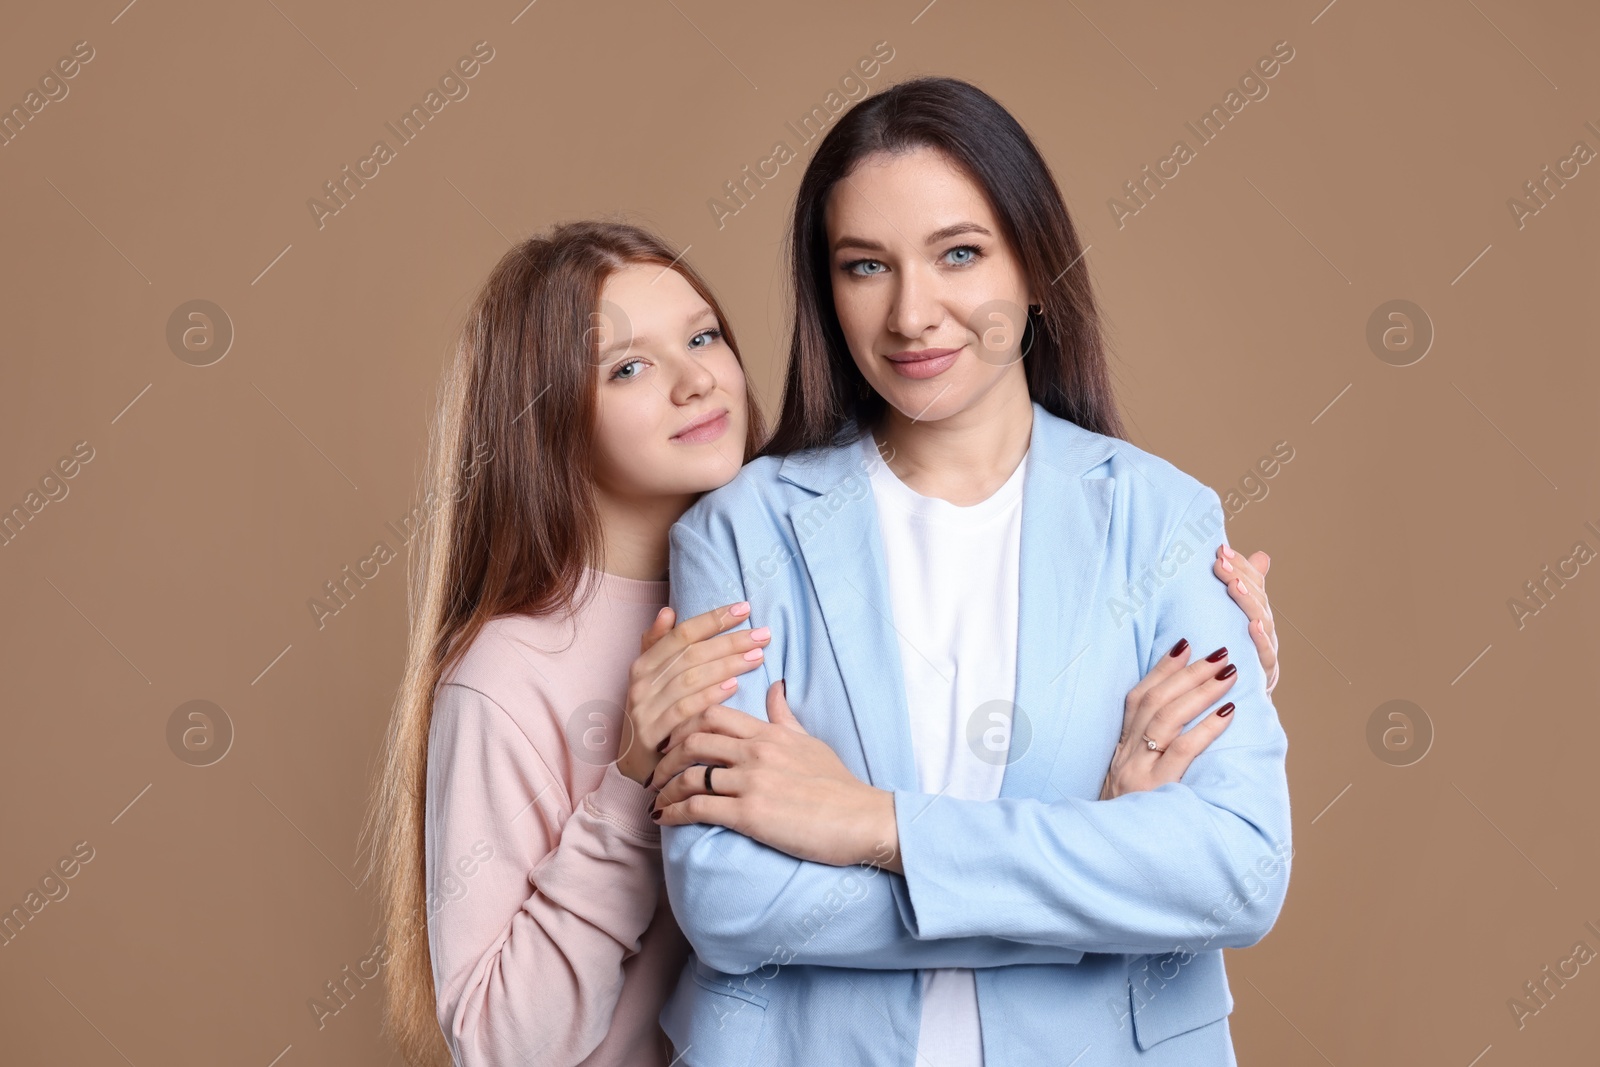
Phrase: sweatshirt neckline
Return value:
(632, 590)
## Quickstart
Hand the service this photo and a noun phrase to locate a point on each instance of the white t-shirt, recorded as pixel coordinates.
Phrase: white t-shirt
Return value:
(953, 577)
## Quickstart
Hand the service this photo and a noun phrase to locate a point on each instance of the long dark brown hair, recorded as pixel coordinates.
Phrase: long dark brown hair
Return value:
(1066, 361)
(507, 524)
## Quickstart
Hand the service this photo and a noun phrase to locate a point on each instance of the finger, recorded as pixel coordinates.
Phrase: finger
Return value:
(1250, 601)
(716, 811)
(1247, 569)
(717, 719)
(1186, 746)
(727, 781)
(1174, 683)
(1185, 696)
(778, 707)
(719, 749)
(1262, 563)
(1175, 659)
(1231, 570)
(658, 629)
(683, 709)
(683, 677)
(684, 635)
(1265, 649)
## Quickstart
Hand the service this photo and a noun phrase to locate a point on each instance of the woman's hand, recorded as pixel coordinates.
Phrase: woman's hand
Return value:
(682, 670)
(1173, 694)
(774, 783)
(1246, 580)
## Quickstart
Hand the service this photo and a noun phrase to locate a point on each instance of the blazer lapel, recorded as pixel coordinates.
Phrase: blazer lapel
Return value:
(843, 549)
(1065, 519)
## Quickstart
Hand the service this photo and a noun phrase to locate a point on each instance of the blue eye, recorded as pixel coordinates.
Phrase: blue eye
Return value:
(617, 374)
(851, 267)
(711, 336)
(973, 252)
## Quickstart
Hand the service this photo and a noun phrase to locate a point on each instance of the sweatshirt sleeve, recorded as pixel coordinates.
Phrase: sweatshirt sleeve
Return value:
(533, 903)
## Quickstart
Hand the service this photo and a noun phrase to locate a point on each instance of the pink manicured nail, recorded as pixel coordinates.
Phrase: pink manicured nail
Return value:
(741, 609)
(761, 633)
(1226, 565)
(1239, 584)
(754, 654)
(731, 683)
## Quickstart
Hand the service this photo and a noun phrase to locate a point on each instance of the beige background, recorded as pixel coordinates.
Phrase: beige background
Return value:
(178, 568)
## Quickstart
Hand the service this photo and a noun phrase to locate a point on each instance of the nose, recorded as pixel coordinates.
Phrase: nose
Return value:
(692, 380)
(915, 306)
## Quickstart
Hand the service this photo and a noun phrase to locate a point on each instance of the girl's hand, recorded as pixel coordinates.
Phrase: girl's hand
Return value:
(775, 783)
(1246, 580)
(1173, 694)
(682, 670)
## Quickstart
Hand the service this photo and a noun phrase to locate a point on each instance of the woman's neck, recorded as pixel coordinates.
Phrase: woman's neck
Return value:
(964, 458)
(635, 531)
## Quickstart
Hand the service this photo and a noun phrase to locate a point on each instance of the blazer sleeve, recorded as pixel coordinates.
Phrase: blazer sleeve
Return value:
(533, 902)
(1145, 872)
(744, 905)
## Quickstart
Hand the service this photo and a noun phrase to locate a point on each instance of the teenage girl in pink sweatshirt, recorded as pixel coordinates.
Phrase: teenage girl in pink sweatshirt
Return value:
(596, 392)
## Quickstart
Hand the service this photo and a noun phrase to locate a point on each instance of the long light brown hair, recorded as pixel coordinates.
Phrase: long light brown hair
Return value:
(509, 522)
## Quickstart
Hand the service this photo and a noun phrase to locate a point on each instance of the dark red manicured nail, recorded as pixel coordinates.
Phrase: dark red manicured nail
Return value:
(1217, 655)
(1178, 648)
(1226, 710)
(654, 814)
(1227, 672)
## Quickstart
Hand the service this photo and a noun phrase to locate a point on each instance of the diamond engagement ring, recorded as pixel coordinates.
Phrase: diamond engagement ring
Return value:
(1151, 745)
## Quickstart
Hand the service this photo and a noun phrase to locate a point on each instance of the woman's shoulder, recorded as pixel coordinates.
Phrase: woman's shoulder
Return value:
(1157, 492)
(510, 654)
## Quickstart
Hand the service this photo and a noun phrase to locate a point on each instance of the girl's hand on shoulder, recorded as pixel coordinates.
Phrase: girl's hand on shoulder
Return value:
(682, 670)
(1246, 580)
(1173, 694)
(772, 782)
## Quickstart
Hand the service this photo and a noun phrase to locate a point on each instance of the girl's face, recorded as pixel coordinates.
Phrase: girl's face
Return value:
(930, 296)
(671, 391)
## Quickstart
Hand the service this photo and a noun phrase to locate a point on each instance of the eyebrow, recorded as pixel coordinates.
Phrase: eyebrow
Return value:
(933, 238)
(643, 341)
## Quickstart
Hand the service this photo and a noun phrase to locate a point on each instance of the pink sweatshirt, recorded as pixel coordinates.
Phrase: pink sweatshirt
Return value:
(551, 937)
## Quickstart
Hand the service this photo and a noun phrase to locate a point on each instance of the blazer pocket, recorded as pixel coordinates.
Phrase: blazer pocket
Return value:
(1170, 996)
(725, 1026)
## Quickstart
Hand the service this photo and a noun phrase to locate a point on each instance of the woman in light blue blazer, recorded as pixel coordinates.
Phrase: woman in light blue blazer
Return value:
(943, 306)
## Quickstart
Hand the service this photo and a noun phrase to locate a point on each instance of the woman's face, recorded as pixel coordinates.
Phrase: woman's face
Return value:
(931, 298)
(671, 391)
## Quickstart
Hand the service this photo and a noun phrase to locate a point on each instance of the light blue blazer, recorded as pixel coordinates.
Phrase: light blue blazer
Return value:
(1096, 927)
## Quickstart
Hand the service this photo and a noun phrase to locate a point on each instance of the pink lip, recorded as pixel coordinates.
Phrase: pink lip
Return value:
(705, 428)
(923, 363)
